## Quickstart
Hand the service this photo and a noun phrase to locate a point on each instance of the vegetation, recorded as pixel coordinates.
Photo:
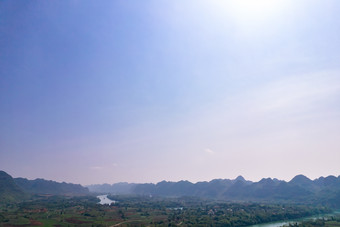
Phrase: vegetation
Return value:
(9, 190)
(145, 211)
(327, 222)
(324, 190)
(47, 203)
(18, 189)
(41, 186)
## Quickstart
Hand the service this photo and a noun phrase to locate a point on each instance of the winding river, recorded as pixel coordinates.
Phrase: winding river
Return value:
(104, 200)
(287, 222)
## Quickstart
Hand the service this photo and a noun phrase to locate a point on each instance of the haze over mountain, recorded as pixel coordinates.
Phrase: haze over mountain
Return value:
(16, 189)
(9, 190)
(41, 186)
(323, 190)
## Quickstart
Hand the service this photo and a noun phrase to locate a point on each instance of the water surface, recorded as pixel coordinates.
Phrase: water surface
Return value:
(104, 200)
(287, 222)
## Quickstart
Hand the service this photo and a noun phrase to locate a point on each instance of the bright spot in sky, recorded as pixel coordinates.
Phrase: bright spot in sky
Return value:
(249, 8)
(252, 13)
(169, 90)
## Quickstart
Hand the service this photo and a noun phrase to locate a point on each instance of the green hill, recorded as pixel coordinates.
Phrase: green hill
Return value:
(41, 186)
(9, 190)
(324, 190)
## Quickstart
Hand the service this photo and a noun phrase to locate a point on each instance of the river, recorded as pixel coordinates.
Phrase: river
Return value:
(104, 200)
(287, 222)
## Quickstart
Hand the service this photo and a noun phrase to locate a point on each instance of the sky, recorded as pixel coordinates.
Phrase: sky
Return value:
(144, 91)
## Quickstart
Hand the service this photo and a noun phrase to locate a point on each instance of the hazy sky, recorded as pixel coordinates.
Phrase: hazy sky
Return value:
(144, 91)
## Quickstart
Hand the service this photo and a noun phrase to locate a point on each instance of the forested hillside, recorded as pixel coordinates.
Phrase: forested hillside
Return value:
(324, 190)
(16, 189)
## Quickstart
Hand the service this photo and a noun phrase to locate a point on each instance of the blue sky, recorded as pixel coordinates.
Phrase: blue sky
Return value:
(144, 91)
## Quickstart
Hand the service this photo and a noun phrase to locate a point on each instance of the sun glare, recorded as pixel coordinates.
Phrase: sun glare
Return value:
(251, 13)
(255, 7)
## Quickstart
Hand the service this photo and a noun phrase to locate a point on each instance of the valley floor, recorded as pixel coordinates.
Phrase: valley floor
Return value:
(146, 211)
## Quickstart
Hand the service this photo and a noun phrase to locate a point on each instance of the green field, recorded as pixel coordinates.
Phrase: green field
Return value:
(146, 211)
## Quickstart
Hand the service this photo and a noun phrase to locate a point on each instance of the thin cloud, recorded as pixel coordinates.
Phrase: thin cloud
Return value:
(209, 151)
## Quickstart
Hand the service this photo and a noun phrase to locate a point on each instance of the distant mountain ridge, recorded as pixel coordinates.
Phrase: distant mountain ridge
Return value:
(16, 189)
(41, 186)
(324, 190)
(9, 190)
(118, 188)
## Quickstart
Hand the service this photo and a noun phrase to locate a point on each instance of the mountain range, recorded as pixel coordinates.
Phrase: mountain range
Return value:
(9, 190)
(16, 189)
(324, 190)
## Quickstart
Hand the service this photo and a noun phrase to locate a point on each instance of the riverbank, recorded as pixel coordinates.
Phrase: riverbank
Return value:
(104, 200)
(298, 220)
